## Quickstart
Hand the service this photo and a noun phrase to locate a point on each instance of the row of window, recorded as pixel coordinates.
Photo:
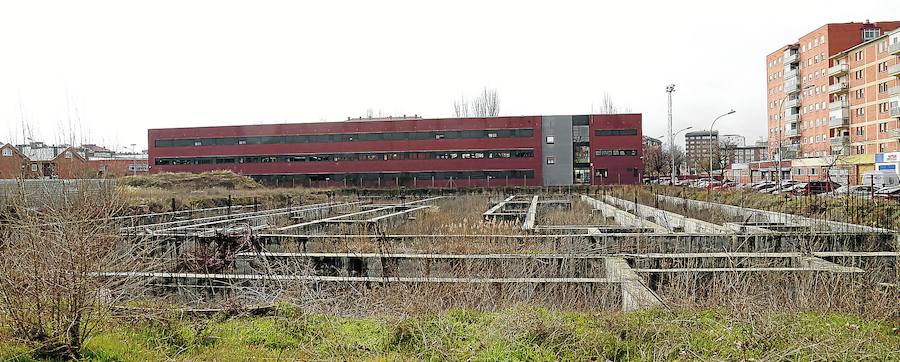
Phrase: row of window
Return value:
(346, 137)
(616, 132)
(335, 157)
(401, 178)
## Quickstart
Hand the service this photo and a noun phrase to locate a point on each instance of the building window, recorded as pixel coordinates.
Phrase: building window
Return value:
(551, 160)
(812, 171)
(34, 167)
(7, 152)
(551, 140)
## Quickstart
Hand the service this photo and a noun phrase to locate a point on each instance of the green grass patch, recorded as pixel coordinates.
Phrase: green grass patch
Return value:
(514, 334)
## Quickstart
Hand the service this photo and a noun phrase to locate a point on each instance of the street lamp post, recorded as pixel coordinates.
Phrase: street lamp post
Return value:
(672, 150)
(709, 170)
(134, 160)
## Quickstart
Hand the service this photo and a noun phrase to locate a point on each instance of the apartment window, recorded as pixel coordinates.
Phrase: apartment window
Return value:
(881, 147)
(858, 55)
(882, 67)
(860, 112)
(812, 171)
(884, 107)
(860, 131)
(7, 152)
(550, 140)
(551, 160)
(882, 127)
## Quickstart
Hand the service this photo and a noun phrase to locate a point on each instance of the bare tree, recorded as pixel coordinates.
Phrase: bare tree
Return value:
(461, 108)
(487, 104)
(52, 263)
(608, 106)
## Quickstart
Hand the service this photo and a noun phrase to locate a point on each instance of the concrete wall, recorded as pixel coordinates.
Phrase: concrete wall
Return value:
(561, 172)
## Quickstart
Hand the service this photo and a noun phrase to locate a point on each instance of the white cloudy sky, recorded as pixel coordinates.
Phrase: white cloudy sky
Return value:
(117, 68)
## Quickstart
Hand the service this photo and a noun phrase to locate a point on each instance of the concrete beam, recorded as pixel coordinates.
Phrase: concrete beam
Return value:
(635, 295)
(622, 217)
(670, 220)
(531, 214)
(750, 214)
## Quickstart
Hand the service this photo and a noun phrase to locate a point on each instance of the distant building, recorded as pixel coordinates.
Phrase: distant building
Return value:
(696, 149)
(39, 160)
(650, 142)
(751, 153)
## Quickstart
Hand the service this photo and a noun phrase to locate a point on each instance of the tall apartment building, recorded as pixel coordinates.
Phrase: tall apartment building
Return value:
(696, 149)
(808, 84)
(866, 90)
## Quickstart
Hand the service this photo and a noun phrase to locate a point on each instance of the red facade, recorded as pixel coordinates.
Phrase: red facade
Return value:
(619, 169)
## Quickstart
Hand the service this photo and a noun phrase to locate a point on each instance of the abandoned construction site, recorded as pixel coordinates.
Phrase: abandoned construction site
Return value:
(613, 248)
(370, 254)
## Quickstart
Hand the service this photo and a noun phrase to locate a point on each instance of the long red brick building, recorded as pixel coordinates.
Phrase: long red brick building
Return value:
(414, 152)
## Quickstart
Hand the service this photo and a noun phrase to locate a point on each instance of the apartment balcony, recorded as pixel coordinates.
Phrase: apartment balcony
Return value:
(839, 118)
(791, 73)
(895, 112)
(838, 104)
(792, 103)
(894, 91)
(792, 132)
(792, 86)
(838, 70)
(837, 150)
(894, 133)
(839, 87)
(791, 118)
(894, 70)
(791, 58)
(840, 141)
(894, 49)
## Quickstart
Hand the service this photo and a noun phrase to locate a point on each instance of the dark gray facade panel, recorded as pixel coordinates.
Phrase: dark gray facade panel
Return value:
(560, 172)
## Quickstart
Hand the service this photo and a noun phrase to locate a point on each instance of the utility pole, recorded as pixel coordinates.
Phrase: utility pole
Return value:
(669, 90)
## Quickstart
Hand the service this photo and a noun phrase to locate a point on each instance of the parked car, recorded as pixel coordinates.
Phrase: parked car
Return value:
(892, 193)
(856, 190)
(788, 189)
(774, 187)
(762, 185)
(880, 179)
(814, 187)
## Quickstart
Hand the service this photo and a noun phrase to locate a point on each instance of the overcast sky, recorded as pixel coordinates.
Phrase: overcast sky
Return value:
(110, 70)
